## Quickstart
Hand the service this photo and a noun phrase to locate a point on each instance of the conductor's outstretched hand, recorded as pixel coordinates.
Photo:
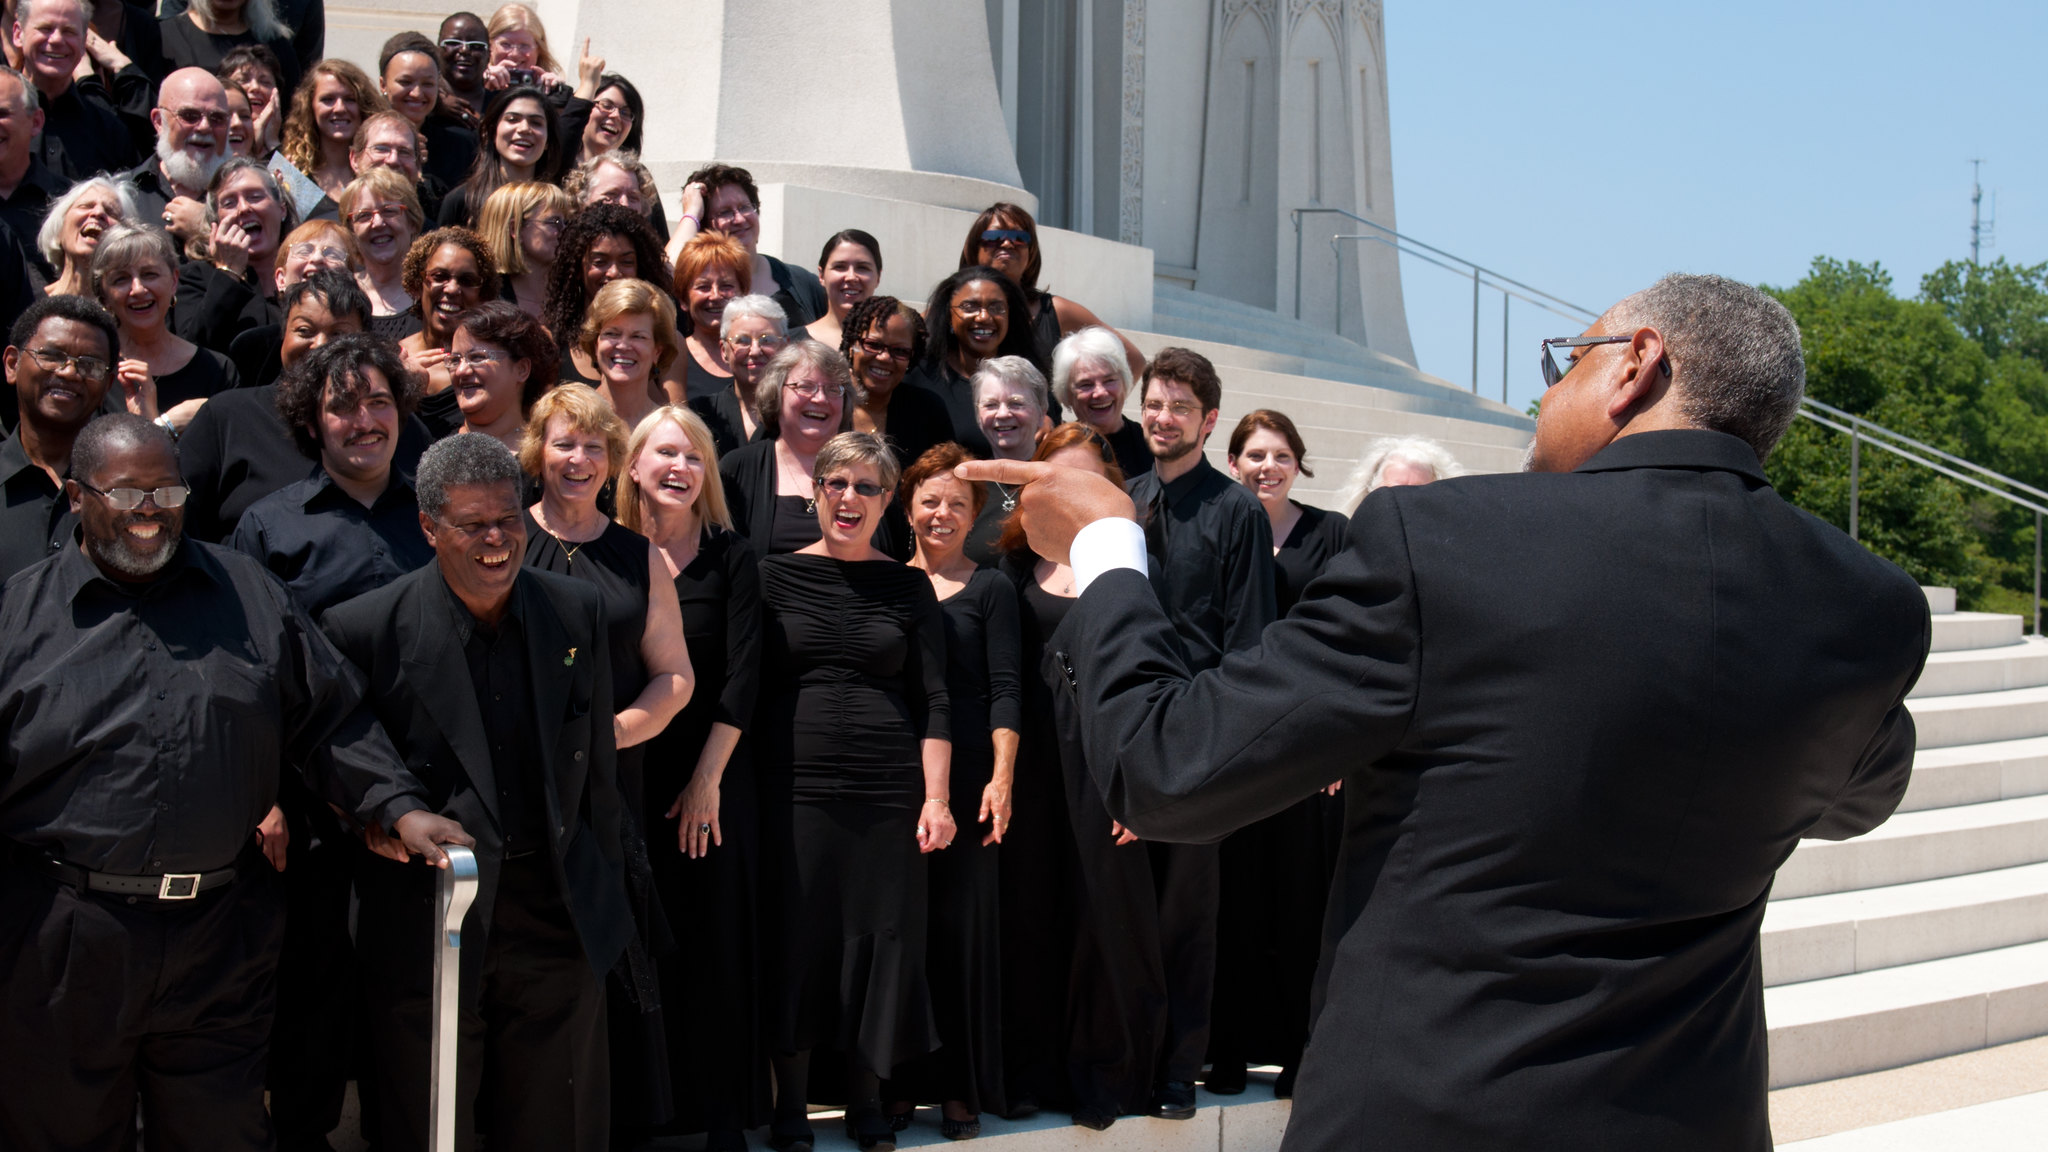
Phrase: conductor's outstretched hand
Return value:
(1056, 502)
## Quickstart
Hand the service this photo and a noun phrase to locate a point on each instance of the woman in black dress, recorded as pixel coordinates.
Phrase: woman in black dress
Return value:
(382, 212)
(803, 403)
(711, 271)
(854, 727)
(1067, 1029)
(700, 774)
(983, 683)
(575, 443)
(974, 314)
(1005, 237)
(135, 275)
(750, 333)
(204, 33)
(1276, 872)
(882, 338)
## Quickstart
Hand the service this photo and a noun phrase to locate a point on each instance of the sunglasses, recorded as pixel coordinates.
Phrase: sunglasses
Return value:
(129, 499)
(838, 485)
(997, 236)
(465, 45)
(1552, 373)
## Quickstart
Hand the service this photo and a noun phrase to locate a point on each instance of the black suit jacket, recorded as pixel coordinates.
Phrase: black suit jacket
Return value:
(403, 638)
(1581, 720)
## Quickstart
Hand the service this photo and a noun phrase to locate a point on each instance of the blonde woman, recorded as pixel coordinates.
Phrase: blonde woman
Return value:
(331, 101)
(382, 212)
(700, 775)
(629, 340)
(522, 223)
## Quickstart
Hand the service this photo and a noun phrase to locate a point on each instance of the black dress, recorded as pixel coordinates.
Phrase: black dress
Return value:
(1040, 875)
(1276, 874)
(718, 1061)
(1045, 327)
(853, 679)
(957, 393)
(721, 414)
(702, 382)
(984, 687)
(616, 563)
(185, 46)
(207, 373)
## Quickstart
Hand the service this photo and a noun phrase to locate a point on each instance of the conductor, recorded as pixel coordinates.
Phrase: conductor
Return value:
(1581, 714)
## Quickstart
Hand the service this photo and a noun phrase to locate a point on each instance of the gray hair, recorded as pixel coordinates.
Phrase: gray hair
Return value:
(47, 237)
(30, 98)
(126, 245)
(1091, 345)
(1736, 362)
(1420, 451)
(464, 459)
(234, 166)
(802, 351)
(757, 306)
(26, 10)
(851, 448)
(577, 182)
(1010, 372)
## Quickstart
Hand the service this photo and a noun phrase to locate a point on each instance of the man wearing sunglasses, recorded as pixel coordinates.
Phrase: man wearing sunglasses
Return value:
(191, 122)
(1581, 714)
(465, 50)
(153, 692)
(59, 363)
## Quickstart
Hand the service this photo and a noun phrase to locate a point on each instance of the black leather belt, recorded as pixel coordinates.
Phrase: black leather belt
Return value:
(168, 886)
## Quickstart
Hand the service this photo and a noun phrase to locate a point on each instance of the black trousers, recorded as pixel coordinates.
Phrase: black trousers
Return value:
(104, 1003)
(533, 1070)
(318, 999)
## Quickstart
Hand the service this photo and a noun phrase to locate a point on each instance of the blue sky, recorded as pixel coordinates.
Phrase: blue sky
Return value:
(1587, 148)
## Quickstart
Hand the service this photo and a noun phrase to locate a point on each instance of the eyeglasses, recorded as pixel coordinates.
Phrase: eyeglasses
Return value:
(309, 250)
(1179, 411)
(607, 108)
(478, 358)
(735, 215)
(883, 351)
(392, 212)
(997, 237)
(551, 224)
(193, 117)
(838, 485)
(465, 46)
(88, 367)
(169, 497)
(997, 310)
(384, 150)
(814, 388)
(765, 343)
(1552, 373)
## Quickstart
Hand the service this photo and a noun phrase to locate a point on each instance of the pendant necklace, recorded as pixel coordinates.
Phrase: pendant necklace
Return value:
(1009, 497)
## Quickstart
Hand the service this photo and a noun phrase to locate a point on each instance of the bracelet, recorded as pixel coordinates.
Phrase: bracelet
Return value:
(693, 220)
(934, 800)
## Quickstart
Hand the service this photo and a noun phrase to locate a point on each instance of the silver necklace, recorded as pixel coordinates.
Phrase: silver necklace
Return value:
(1009, 497)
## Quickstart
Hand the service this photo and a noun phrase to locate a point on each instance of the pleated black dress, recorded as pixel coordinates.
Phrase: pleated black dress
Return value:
(984, 688)
(1040, 886)
(717, 1060)
(616, 563)
(1276, 874)
(853, 678)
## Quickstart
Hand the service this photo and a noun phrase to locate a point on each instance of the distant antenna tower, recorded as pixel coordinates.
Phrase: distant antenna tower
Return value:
(1983, 232)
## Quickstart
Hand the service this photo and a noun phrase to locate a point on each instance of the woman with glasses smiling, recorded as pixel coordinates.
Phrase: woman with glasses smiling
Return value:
(162, 376)
(751, 332)
(974, 314)
(711, 271)
(855, 759)
(522, 224)
(448, 272)
(882, 338)
(1005, 237)
(384, 215)
(721, 198)
(803, 401)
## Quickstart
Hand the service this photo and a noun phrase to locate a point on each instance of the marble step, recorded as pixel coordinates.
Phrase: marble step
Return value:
(1955, 631)
(1924, 845)
(1976, 773)
(1980, 717)
(1955, 673)
(1816, 937)
(1846, 1025)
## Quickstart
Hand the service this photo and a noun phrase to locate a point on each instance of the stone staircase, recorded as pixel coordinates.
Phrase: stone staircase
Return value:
(1929, 935)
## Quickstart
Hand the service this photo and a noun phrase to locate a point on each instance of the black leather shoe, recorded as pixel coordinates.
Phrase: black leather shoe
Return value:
(1225, 1079)
(1094, 1118)
(1174, 1100)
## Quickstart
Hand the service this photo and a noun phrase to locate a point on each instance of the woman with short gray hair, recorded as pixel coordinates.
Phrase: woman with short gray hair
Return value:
(751, 330)
(1092, 377)
(163, 377)
(1396, 461)
(72, 230)
(1009, 406)
(804, 398)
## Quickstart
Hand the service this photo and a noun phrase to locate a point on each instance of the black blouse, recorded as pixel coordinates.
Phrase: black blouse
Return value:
(1315, 540)
(853, 678)
(720, 594)
(984, 673)
(616, 562)
(207, 373)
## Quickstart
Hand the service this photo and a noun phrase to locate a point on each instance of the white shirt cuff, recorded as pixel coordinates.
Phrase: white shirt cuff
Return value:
(1112, 542)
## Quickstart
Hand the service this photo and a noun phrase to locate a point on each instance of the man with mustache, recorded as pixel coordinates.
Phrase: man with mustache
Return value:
(191, 123)
(59, 362)
(495, 682)
(82, 128)
(1582, 714)
(153, 692)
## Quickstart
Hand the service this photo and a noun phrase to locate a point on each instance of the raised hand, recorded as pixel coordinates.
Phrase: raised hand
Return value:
(1055, 503)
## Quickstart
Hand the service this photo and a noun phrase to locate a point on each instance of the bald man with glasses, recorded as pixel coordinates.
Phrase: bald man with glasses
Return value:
(191, 123)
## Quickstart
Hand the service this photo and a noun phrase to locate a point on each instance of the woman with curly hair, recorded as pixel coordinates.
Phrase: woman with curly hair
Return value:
(881, 338)
(602, 244)
(448, 272)
(331, 101)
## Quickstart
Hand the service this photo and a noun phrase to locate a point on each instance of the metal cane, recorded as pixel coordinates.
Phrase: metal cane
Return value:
(457, 893)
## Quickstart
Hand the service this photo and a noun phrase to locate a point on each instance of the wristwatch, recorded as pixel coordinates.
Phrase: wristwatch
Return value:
(164, 422)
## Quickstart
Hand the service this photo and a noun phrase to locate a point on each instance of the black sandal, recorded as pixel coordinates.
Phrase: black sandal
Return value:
(960, 1129)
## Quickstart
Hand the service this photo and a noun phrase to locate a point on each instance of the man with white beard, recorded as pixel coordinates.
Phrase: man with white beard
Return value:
(191, 122)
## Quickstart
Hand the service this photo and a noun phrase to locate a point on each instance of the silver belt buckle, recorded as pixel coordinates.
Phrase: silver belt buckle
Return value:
(178, 886)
